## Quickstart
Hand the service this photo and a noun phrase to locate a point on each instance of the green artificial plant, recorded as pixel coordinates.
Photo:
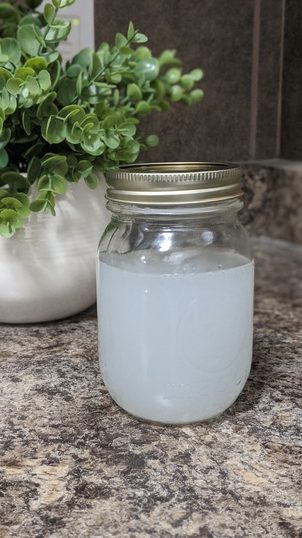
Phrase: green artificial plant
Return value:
(59, 123)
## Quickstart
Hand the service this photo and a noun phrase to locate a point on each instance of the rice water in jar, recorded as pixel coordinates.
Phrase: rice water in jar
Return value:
(175, 282)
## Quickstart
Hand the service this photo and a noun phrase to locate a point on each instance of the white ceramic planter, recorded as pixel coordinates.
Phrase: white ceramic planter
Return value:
(47, 270)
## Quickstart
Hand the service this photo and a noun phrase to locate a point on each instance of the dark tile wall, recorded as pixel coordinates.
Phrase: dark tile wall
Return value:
(238, 44)
(269, 79)
(291, 141)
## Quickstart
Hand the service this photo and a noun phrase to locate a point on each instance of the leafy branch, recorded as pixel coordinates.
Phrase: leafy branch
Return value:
(60, 123)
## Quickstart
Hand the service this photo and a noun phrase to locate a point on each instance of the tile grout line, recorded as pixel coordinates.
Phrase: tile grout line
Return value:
(255, 77)
(280, 87)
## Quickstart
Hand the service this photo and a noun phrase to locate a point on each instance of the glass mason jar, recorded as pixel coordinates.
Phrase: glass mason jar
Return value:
(175, 291)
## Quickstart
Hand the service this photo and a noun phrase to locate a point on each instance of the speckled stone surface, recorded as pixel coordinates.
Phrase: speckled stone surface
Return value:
(74, 465)
(273, 199)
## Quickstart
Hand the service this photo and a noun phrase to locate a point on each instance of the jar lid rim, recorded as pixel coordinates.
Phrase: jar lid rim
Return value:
(168, 183)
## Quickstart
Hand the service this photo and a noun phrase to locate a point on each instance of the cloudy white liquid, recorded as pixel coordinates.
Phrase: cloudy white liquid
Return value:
(175, 348)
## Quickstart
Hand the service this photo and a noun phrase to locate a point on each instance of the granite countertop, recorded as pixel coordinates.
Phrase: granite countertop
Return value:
(74, 465)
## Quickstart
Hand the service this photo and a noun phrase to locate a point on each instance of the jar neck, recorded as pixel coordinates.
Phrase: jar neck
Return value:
(223, 210)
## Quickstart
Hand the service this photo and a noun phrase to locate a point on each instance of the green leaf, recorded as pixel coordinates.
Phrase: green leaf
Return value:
(196, 95)
(2, 118)
(51, 205)
(11, 203)
(196, 74)
(127, 129)
(3, 192)
(62, 3)
(55, 72)
(26, 121)
(116, 97)
(8, 215)
(24, 72)
(3, 158)
(85, 167)
(58, 184)
(74, 70)
(74, 134)
(92, 144)
(152, 140)
(5, 137)
(148, 68)
(30, 39)
(143, 108)
(38, 205)
(44, 80)
(120, 40)
(37, 64)
(6, 230)
(91, 120)
(14, 85)
(142, 53)
(52, 56)
(130, 152)
(7, 11)
(10, 48)
(44, 184)
(71, 160)
(167, 57)
(11, 221)
(134, 92)
(49, 13)
(112, 140)
(177, 93)
(33, 170)
(75, 175)
(5, 75)
(8, 102)
(83, 58)
(114, 78)
(58, 31)
(187, 82)
(16, 181)
(23, 198)
(173, 75)
(32, 86)
(131, 31)
(111, 119)
(51, 183)
(72, 111)
(67, 91)
(53, 130)
(79, 84)
(160, 89)
(55, 164)
(140, 38)
(45, 108)
(92, 181)
(30, 19)
(96, 66)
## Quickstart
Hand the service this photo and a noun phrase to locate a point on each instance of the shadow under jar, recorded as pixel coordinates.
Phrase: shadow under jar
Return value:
(175, 291)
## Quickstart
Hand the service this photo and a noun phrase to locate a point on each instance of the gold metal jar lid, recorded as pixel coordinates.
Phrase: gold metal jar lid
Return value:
(178, 183)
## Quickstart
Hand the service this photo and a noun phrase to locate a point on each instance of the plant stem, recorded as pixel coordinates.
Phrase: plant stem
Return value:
(46, 30)
(102, 71)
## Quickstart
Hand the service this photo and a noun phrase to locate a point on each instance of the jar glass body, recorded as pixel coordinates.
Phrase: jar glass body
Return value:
(175, 310)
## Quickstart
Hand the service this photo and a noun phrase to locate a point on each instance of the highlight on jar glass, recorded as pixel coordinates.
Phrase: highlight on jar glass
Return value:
(175, 280)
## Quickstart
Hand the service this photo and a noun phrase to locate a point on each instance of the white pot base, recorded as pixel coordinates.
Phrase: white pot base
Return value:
(47, 270)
